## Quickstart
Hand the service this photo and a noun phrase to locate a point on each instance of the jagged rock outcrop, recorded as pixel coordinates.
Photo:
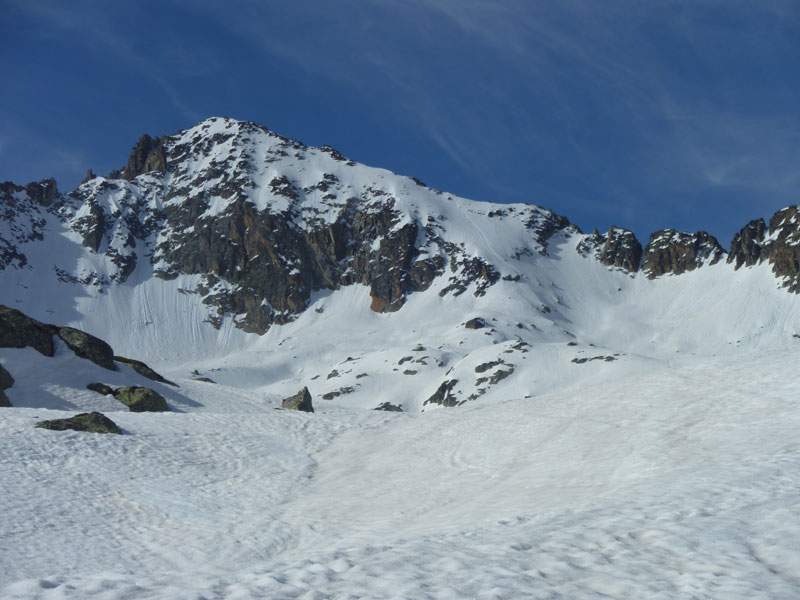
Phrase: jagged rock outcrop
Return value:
(617, 248)
(778, 245)
(670, 251)
(300, 401)
(42, 192)
(93, 422)
(444, 395)
(781, 248)
(89, 347)
(141, 399)
(147, 155)
(746, 245)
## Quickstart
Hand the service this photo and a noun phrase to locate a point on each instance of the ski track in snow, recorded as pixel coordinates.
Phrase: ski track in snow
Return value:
(678, 484)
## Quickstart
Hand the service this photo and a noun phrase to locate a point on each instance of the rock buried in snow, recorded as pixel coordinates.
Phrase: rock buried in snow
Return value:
(476, 323)
(300, 401)
(141, 399)
(143, 370)
(101, 388)
(93, 422)
(89, 347)
(388, 406)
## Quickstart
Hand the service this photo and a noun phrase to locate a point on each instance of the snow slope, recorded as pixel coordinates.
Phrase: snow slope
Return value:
(675, 484)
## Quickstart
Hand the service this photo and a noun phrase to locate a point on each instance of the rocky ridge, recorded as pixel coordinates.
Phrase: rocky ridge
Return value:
(264, 221)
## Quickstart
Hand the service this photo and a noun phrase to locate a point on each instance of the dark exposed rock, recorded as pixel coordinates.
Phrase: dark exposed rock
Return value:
(501, 374)
(101, 388)
(89, 347)
(444, 394)
(746, 245)
(336, 393)
(781, 249)
(204, 379)
(617, 248)
(6, 380)
(143, 370)
(388, 406)
(147, 155)
(476, 323)
(670, 251)
(482, 368)
(584, 360)
(300, 401)
(141, 399)
(43, 192)
(93, 422)
(18, 330)
(92, 225)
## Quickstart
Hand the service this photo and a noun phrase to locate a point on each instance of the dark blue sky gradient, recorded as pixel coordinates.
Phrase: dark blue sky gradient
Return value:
(646, 115)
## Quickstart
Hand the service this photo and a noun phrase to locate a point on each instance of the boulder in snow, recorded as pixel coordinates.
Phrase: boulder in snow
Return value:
(300, 401)
(93, 422)
(141, 399)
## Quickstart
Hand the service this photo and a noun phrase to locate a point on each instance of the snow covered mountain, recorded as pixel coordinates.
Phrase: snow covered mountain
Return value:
(627, 421)
(229, 244)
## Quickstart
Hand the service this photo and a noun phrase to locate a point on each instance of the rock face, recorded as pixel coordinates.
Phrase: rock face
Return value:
(670, 251)
(143, 370)
(746, 245)
(147, 155)
(93, 422)
(300, 401)
(781, 248)
(617, 248)
(141, 399)
(778, 245)
(444, 395)
(18, 330)
(6, 381)
(88, 347)
(43, 192)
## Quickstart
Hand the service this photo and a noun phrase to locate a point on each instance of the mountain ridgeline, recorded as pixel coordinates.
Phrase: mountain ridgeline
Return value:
(263, 222)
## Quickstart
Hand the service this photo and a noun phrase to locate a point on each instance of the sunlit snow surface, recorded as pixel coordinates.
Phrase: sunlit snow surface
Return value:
(680, 483)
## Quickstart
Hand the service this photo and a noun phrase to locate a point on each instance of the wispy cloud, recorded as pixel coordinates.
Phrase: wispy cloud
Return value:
(89, 21)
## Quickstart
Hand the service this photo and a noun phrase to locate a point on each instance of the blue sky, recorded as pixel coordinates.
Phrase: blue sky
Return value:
(642, 114)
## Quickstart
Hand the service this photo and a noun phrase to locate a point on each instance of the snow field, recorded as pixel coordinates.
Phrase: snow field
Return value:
(679, 483)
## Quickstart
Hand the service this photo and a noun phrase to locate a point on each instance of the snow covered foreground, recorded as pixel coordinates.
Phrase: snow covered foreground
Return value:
(681, 483)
